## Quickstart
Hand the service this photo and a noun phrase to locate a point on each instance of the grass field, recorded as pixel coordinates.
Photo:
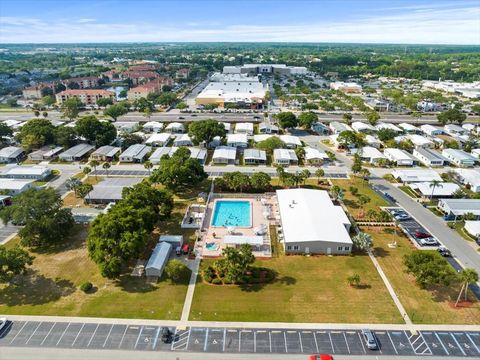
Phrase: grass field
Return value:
(351, 202)
(51, 288)
(306, 289)
(459, 227)
(432, 306)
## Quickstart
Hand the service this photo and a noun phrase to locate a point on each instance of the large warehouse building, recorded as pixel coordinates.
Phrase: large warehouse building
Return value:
(312, 224)
(265, 69)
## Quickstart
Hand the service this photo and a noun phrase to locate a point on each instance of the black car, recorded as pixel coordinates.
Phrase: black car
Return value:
(444, 251)
(166, 335)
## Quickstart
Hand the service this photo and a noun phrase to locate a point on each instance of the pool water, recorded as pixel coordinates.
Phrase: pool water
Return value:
(232, 213)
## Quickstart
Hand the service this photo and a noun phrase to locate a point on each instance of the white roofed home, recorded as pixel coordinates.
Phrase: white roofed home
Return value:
(244, 128)
(175, 127)
(475, 153)
(314, 156)
(371, 154)
(135, 153)
(158, 139)
(312, 224)
(284, 157)
(36, 172)
(459, 157)
(420, 141)
(372, 141)
(182, 140)
(409, 128)
(237, 140)
(338, 127)
(429, 157)
(105, 153)
(382, 125)
(265, 128)
(470, 178)
(76, 152)
(416, 175)
(254, 157)
(227, 126)
(455, 130)
(431, 130)
(399, 157)
(224, 155)
(11, 154)
(15, 186)
(291, 141)
(360, 126)
(427, 190)
(152, 126)
(473, 228)
(460, 207)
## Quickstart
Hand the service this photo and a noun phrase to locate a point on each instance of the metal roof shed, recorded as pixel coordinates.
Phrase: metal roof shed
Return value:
(174, 240)
(158, 259)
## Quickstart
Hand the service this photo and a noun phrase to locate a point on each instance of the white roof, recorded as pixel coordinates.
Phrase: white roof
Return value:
(26, 170)
(419, 140)
(461, 206)
(244, 126)
(171, 238)
(160, 138)
(225, 152)
(360, 126)
(309, 215)
(174, 125)
(312, 153)
(475, 153)
(398, 154)
(13, 184)
(233, 91)
(469, 176)
(370, 139)
(416, 175)
(183, 137)
(159, 256)
(10, 151)
(372, 153)
(408, 127)
(226, 125)
(291, 140)
(390, 126)
(339, 127)
(241, 239)
(285, 154)
(237, 138)
(152, 124)
(427, 128)
(261, 137)
(473, 227)
(458, 154)
(443, 189)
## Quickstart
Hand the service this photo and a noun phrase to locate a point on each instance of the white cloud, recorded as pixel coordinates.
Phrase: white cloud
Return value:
(433, 25)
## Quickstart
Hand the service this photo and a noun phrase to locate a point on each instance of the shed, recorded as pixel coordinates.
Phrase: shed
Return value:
(174, 240)
(158, 259)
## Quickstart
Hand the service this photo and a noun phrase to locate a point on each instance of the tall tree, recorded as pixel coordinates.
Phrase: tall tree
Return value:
(36, 133)
(433, 185)
(13, 262)
(307, 119)
(286, 120)
(452, 116)
(467, 276)
(204, 131)
(71, 108)
(115, 111)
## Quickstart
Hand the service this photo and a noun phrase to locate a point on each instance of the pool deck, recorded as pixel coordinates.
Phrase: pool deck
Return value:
(258, 207)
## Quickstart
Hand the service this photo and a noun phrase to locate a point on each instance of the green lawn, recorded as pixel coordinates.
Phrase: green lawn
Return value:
(407, 190)
(306, 289)
(51, 288)
(351, 202)
(458, 226)
(425, 306)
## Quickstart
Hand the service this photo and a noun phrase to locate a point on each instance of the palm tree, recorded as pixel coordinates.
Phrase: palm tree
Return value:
(87, 170)
(337, 193)
(434, 184)
(467, 276)
(106, 166)
(280, 173)
(148, 165)
(94, 164)
(305, 174)
(319, 173)
(363, 200)
(72, 184)
(363, 241)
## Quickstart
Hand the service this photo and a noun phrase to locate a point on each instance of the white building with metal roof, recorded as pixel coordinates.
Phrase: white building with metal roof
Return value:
(314, 156)
(473, 228)
(390, 126)
(371, 154)
(284, 157)
(110, 189)
(431, 130)
(237, 140)
(470, 178)
(399, 156)
(360, 126)
(76, 153)
(45, 153)
(409, 128)
(459, 157)
(426, 189)
(429, 157)
(224, 155)
(254, 157)
(11, 154)
(416, 175)
(244, 128)
(291, 141)
(135, 153)
(105, 153)
(159, 258)
(15, 186)
(37, 172)
(460, 207)
(182, 140)
(158, 139)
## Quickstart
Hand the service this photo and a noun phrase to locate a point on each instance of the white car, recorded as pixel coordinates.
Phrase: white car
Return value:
(3, 323)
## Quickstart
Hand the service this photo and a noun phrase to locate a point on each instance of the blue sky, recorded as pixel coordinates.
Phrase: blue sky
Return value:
(406, 21)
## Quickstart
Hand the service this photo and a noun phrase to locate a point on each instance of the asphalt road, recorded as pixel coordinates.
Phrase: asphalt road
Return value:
(206, 340)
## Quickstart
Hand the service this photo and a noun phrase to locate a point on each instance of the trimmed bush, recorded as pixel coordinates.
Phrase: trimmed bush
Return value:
(216, 281)
(86, 287)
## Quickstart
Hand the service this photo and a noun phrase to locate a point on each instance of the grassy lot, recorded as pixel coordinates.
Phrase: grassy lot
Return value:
(306, 289)
(51, 288)
(311, 183)
(427, 306)
(351, 201)
(407, 190)
(458, 226)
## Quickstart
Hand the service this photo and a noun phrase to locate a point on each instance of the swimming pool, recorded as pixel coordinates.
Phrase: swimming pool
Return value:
(236, 213)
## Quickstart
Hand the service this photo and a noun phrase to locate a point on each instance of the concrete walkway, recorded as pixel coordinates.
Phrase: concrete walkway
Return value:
(191, 289)
(389, 287)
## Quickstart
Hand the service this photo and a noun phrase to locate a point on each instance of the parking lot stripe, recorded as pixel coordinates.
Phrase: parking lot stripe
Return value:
(76, 337)
(441, 343)
(108, 335)
(331, 342)
(239, 339)
(64, 331)
(361, 342)
(316, 342)
(285, 338)
(270, 340)
(49, 331)
(254, 341)
(475, 345)
(301, 343)
(19, 332)
(93, 335)
(206, 341)
(120, 343)
(394, 348)
(459, 346)
(346, 342)
(138, 337)
(33, 333)
(156, 338)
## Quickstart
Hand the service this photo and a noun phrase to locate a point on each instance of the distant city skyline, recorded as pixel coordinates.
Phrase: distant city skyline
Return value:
(347, 21)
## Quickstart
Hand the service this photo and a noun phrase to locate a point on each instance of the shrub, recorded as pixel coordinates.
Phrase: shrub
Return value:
(217, 281)
(86, 287)
(207, 275)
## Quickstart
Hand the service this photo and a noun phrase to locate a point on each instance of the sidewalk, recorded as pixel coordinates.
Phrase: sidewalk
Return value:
(191, 289)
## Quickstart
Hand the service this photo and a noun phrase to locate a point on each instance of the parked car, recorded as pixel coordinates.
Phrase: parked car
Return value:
(321, 357)
(3, 323)
(478, 242)
(178, 251)
(428, 242)
(185, 249)
(369, 338)
(444, 251)
(181, 118)
(166, 335)
(422, 235)
(400, 216)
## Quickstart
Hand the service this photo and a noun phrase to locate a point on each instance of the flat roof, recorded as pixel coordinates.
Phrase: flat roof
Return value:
(473, 227)
(372, 153)
(458, 154)
(462, 206)
(312, 153)
(309, 215)
(242, 239)
(398, 154)
(111, 188)
(225, 152)
(442, 189)
(77, 150)
(291, 139)
(416, 175)
(429, 154)
(25, 170)
(255, 154)
(285, 154)
(13, 184)
(159, 256)
(237, 138)
(10, 152)
(107, 150)
(470, 176)
(161, 137)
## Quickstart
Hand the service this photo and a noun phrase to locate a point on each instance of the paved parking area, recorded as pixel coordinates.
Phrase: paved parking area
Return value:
(232, 340)
(7, 230)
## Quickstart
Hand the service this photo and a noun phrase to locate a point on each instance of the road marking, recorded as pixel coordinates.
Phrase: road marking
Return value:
(270, 340)
(138, 337)
(224, 338)
(49, 331)
(301, 343)
(108, 335)
(156, 338)
(331, 342)
(239, 340)
(394, 348)
(346, 342)
(64, 331)
(76, 337)
(361, 342)
(206, 341)
(33, 333)
(93, 335)
(285, 338)
(316, 342)
(441, 343)
(18, 332)
(459, 346)
(475, 345)
(121, 340)
(254, 341)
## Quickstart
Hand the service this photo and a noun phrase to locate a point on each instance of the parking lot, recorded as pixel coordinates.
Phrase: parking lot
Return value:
(7, 230)
(233, 340)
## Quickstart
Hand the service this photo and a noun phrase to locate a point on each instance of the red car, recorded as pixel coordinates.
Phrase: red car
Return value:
(185, 249)
(422, 235)
(321, 357)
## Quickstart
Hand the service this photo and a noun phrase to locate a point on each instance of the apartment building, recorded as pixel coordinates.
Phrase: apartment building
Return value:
(86, 96)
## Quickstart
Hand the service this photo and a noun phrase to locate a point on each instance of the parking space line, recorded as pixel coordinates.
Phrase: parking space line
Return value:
(49, 331)
(315, 339)
(331, 342)
(441, 343)
(121, 340)
(33, 333)
(301, 343)
(270, 340)
(285, 338)
(138, 337)
(346, 342)
(458, 344)
(108, 335)
(394, 347)
(93, 335)
(156, 338)
(239, 339)
(205, 345)
(64, 331)
(361, 342)
(76, 337)
(254, 341)
(26, 322)
(475, 345)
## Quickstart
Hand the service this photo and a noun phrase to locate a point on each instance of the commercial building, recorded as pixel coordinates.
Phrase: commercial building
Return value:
(14, 186)
(459, 157)
(86, 96)
(110, 190)
(11, 154)
(312, 224)
(105, 153)
(416, 175)
(26, 172)
(284, 157)
(76, 153)
(399, 157)
(429, 157)
(255, 69)
(460, 207)
(224, 155)
(135, 153)
(347, 87)
(254, 157)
